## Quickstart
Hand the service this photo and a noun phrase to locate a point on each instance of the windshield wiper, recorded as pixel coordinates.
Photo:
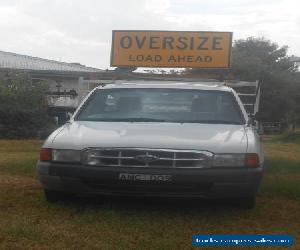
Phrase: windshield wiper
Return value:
(208, 121)
(129, 119)
(141, 119)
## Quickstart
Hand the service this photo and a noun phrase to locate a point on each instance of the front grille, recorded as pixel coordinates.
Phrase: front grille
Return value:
(141, 157)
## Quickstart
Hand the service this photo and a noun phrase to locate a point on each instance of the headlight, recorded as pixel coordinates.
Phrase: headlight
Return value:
(229, 160)
(236, 160)
(65, 155)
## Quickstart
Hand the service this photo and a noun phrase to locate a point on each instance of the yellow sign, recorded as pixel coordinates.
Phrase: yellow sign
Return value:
(192, 49)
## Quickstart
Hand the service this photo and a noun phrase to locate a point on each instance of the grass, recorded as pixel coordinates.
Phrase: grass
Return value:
(289, 137)
(27, 221)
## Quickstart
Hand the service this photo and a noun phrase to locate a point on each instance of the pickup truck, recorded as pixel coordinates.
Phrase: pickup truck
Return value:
(155, 138)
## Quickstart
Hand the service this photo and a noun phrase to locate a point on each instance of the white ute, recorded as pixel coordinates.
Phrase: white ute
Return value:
(175, 139)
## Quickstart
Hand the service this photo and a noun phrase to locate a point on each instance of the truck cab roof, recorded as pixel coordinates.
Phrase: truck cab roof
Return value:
(169, 84)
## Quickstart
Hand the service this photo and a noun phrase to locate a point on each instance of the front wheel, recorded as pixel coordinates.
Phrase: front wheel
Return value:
(54, 195)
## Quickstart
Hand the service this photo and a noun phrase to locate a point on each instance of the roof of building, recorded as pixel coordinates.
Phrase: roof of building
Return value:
(295, 59)
(10, 60)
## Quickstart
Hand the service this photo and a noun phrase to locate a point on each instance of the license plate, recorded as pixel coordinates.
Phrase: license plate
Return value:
(145, 177)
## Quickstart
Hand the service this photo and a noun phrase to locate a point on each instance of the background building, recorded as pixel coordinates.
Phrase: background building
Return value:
(62, 79)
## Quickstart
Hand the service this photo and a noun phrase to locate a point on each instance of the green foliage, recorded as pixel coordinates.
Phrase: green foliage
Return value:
(253, 57)
(18, 90)
(23, 107)
(260, 59)
(289, 137)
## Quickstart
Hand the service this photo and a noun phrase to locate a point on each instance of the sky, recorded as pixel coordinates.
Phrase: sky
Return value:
(81, 30)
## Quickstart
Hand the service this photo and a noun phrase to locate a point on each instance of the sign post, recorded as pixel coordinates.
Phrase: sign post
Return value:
(184, 49)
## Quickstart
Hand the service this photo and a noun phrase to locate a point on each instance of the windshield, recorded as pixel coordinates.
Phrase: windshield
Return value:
(161, 105)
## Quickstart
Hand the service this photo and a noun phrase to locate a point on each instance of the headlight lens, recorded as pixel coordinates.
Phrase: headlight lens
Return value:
(236, 160)
(229, 160)
(65, 155)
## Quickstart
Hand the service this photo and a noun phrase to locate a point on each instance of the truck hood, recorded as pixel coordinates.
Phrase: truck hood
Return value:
(217, 138)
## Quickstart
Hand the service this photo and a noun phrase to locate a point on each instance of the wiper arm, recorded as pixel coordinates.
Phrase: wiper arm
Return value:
(141, 119)
(129, 119)
(207, 121)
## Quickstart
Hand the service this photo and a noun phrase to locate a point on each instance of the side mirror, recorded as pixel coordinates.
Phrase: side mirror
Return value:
(63, 118)
(257, 116)
(252, 120)
(68, 116)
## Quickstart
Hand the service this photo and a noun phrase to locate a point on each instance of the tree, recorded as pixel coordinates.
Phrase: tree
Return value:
(260, 59)
(253, 56)
(23, 107)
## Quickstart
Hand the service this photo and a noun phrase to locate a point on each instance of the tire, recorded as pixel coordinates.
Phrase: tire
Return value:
(247, 202)
(54, 196)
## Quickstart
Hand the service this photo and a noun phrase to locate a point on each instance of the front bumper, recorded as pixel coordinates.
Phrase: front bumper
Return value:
(210, 183)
